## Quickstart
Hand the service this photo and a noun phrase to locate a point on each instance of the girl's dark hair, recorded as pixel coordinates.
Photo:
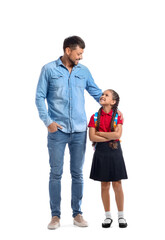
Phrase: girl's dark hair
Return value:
(73, 42)
(113, 144)
(98, 123)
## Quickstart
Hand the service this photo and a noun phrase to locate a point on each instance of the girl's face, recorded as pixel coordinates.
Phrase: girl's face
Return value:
(107, 99)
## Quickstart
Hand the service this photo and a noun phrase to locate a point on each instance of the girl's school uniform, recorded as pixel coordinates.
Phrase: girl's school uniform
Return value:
(108, 164)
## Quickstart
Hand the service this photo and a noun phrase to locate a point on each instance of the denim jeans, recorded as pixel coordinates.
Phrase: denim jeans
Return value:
(56, 147)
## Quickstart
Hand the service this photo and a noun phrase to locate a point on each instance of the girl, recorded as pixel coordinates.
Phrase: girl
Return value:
(108, 163)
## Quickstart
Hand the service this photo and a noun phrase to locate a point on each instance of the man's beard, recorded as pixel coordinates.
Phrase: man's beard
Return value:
(72, 62)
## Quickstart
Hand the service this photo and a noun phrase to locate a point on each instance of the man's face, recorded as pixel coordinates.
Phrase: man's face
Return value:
(74, 56)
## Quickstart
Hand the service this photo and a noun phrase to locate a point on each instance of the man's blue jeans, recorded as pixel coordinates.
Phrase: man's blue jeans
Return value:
(56, 146)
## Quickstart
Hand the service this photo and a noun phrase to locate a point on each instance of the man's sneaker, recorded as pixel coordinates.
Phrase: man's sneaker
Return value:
(79, 221)
(54, 224)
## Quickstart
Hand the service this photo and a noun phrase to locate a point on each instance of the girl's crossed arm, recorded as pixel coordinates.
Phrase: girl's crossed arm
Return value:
(95, 138)
(111, 135)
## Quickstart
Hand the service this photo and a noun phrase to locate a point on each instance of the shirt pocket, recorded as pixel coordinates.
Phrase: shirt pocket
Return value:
(56, 81)
(80, 81)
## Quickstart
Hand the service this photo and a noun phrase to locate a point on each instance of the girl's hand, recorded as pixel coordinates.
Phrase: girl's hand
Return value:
(98, 133)
(116, 128)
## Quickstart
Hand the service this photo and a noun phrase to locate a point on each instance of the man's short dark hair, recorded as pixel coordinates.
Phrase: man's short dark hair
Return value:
(73, 42)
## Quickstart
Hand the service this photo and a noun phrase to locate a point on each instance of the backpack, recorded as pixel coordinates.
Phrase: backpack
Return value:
(115, 120)
(95, 120)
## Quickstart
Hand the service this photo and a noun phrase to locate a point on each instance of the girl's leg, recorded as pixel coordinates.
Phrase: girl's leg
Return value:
(105, 186)
(119, 196)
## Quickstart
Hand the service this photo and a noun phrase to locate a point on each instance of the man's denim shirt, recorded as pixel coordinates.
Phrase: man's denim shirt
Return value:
(64, 92)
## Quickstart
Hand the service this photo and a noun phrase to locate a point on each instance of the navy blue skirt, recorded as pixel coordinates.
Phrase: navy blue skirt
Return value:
(108, 164)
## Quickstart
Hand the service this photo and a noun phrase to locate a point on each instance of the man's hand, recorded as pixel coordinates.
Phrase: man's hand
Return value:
(53, 127)
(121, 115)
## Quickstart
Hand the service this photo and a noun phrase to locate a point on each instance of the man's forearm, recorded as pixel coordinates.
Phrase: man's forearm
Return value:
(43, 113)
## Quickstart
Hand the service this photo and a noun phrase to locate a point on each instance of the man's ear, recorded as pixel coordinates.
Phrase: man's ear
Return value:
(67, 50)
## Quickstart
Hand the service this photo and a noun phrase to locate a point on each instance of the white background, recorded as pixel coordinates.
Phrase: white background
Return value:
(125, 51)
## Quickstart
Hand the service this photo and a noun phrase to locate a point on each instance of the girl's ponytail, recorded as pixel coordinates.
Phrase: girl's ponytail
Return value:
(97, 124)
(98, 119)
(114, 144)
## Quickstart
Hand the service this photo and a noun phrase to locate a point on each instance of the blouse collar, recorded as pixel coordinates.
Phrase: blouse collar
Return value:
(104, 113)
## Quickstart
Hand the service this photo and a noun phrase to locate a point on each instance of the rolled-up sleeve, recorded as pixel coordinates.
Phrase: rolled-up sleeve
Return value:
(92, 88)
(41, 94)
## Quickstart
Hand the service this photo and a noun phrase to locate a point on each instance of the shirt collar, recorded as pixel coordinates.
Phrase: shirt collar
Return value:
(60, 63)
(103, 113)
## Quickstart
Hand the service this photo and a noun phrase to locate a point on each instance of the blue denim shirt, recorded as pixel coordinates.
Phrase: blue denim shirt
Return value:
(64, 93)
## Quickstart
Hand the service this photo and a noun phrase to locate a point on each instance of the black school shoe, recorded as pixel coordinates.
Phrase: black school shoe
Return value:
(107, 225)
(122, 225)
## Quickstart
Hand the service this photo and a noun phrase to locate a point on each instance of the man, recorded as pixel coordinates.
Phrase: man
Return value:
(62, 83)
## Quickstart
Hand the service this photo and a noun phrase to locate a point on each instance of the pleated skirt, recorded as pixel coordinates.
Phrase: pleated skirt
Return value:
(108, 164)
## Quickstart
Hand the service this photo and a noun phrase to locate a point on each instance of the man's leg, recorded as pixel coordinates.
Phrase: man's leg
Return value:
(77, 145)
(56, 146)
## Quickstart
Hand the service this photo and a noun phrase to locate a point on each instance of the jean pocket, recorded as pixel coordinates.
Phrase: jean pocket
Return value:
(53, 132)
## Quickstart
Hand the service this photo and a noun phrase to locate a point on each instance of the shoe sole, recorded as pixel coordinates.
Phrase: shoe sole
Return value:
(53, 228)
(104, 225)
(79, 224)
(123, 225)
